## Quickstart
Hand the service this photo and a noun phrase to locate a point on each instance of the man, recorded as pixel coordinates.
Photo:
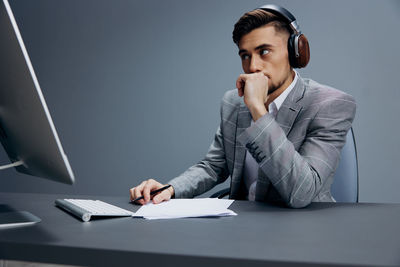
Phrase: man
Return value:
(280, 135)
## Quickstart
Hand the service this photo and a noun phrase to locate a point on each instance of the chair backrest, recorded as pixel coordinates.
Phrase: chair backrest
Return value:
(345, 182)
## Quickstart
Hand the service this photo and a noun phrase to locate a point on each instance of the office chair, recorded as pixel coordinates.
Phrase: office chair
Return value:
(345, 182)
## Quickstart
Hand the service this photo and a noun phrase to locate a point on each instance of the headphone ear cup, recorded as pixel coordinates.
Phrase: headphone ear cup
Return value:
(303, 49)
(304, 52)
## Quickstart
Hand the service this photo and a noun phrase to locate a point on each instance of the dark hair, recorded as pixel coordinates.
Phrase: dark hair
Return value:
(255, 19)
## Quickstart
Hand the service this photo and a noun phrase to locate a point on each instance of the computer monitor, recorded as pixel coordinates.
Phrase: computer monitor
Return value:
(27, 132)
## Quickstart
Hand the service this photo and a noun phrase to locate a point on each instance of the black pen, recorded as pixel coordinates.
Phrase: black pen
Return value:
(153, 192)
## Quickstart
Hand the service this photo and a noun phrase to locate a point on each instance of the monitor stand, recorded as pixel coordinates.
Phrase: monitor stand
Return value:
(12, 219)
(15, 219)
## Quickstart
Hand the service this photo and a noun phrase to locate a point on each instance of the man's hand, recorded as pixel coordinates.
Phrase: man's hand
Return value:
(254, 88)
(146, 187)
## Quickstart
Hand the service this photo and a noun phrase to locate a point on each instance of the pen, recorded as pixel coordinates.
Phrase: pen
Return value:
(153, 192)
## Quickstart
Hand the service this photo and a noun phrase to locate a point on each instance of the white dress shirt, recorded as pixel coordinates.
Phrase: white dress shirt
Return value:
(250, 171)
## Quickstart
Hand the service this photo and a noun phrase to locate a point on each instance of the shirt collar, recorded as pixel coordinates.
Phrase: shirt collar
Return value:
(279, 100)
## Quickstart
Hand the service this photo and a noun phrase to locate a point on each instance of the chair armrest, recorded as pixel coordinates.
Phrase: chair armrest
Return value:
(221, 193)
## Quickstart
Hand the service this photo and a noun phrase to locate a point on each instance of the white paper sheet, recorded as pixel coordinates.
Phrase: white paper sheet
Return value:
(184, 208)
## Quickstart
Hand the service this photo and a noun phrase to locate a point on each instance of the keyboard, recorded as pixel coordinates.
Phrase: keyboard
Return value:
(84, 209)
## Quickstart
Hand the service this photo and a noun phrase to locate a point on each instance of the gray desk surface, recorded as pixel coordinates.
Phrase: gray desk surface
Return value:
(322, 234)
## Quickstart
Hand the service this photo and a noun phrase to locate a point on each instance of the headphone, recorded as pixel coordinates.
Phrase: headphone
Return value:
(298, 47)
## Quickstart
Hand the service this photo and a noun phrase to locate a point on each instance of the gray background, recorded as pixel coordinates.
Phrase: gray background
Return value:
(134, 87)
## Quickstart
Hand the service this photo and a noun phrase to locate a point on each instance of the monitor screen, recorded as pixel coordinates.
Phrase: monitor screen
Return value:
(27, 132)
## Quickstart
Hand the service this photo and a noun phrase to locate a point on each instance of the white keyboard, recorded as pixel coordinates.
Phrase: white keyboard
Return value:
(85, 208)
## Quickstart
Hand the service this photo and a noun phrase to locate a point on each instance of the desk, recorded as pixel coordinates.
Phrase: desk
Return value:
(321, 234)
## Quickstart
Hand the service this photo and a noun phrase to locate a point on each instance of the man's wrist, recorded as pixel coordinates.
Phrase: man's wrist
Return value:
(257, 112)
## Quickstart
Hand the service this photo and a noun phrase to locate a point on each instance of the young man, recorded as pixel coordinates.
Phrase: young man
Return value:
(280, 135)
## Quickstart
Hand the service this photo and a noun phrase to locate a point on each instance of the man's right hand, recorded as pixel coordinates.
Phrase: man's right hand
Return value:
(146, 187)
(254, 89)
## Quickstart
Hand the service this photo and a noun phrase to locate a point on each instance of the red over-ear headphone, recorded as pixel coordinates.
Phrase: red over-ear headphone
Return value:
(298, 47)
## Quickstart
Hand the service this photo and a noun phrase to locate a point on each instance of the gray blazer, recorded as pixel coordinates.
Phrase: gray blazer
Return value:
(297, 152)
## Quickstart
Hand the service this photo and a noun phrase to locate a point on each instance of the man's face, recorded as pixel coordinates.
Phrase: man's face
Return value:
(265, 50)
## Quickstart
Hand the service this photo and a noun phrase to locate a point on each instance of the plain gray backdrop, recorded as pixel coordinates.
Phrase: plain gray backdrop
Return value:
(134, 87)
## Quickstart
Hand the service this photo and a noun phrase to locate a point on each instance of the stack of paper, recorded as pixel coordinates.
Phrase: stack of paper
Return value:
(184, 208)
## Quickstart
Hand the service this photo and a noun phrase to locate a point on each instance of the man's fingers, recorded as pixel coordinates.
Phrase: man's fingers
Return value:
(150, 186)
(135, 192)
(146, 193)
(240, 82)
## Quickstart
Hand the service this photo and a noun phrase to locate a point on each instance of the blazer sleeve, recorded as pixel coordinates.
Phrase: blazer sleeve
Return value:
(298, 176)
(204, 175)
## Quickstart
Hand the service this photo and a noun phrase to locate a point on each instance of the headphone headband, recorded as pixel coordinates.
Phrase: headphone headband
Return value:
(283, 13)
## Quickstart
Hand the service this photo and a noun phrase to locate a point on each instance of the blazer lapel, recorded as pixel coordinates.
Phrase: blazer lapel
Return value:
(243, 122)
(291, 107)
